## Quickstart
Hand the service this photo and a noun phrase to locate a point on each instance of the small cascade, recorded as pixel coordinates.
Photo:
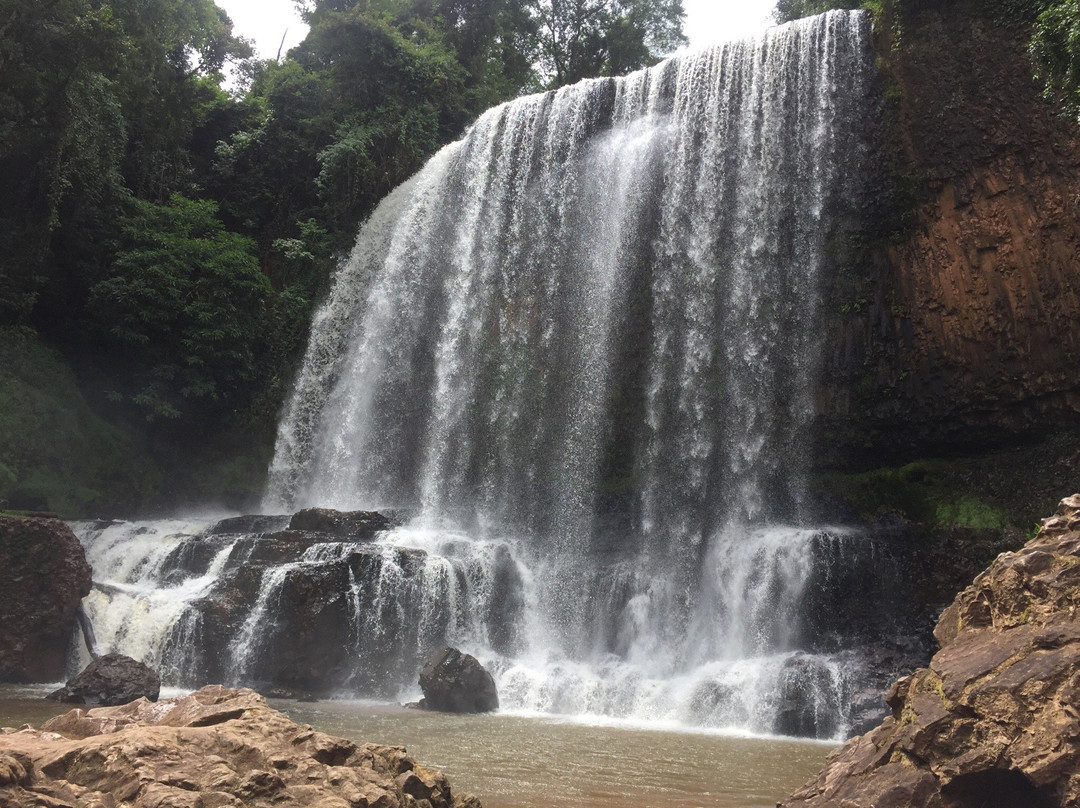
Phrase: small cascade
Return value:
(139, 590)
(308, 612)
(580, 347)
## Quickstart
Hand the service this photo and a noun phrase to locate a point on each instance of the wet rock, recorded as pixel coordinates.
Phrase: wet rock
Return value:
(215, 747)
(43, 578)
(993, 719)
(809, 699)
(109, 681)
(353, 525)
(454, 682)
(248, 524)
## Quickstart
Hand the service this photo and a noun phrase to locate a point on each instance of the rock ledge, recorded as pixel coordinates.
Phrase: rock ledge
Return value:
(215, 748)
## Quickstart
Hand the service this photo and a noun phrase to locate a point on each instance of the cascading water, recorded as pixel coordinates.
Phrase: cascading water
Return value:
(580, 348)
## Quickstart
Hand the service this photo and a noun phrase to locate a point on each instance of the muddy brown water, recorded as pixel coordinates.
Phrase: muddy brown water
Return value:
(516, 761)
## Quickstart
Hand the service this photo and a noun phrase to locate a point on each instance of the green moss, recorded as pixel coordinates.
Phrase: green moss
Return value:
(55, 452)
(968, 511)
(922, 491)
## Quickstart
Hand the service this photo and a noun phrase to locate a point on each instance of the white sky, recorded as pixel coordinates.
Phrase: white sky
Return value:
(707, 21)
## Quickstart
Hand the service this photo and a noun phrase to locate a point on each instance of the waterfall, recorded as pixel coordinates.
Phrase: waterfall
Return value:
(620, 277)
(579, 349)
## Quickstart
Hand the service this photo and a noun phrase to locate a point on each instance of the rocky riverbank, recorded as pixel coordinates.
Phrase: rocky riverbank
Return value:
(994, 718)
(214, 748)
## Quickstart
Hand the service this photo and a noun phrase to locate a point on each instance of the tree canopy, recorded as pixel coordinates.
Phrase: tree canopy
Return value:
(170, 236)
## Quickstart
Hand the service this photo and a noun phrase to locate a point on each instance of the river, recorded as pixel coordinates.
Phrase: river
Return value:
(519, 761)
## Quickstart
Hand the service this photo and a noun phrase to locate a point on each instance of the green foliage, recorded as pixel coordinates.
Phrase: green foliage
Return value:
(968, 511)
(184, 302)
(1055, 49)
(576, 39)
(59, 131)
(787, 10)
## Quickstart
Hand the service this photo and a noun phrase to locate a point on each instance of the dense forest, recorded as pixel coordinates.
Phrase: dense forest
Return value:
(163, 239)
(165, 236)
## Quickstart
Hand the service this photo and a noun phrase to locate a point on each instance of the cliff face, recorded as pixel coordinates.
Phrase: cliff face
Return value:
(43, 577)
(972, 320)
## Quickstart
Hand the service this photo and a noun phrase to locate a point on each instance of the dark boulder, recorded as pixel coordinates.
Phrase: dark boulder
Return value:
(809, 699)
(248, 524)
(43, 578)
(109, 681)
(454, 682)
(353, 525)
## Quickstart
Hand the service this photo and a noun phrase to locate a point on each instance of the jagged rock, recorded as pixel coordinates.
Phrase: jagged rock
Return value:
(354, 525)
(993, 720)
(111, 680)
(454, 682)
(216, 747)
(43, 578)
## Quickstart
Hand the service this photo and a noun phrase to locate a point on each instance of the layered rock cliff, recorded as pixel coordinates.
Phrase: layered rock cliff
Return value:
(961, 328)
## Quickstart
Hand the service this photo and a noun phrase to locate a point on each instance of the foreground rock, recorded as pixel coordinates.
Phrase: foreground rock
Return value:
(43, 578)
(214, 748)
(995, 719)
(454, 682)
(112, 680)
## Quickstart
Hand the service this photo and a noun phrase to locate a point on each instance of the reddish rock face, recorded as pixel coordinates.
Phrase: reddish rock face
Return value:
(993, 720)
(972, 320)
(43, 577)
(214, 748)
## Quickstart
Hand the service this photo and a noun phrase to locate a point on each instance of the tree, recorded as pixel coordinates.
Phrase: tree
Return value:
(61, 131)
(1055, 48)
(184, 303)
(787, 10)
(578, 39)
(98, 100)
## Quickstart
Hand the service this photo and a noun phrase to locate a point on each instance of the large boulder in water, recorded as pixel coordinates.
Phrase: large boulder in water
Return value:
(454, 682)
(993, 720)
(213, 748)
(43, 578)
(809, 698)
(111, 680)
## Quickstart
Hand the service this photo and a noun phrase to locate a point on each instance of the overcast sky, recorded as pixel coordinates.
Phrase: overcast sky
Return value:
(707, 21)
